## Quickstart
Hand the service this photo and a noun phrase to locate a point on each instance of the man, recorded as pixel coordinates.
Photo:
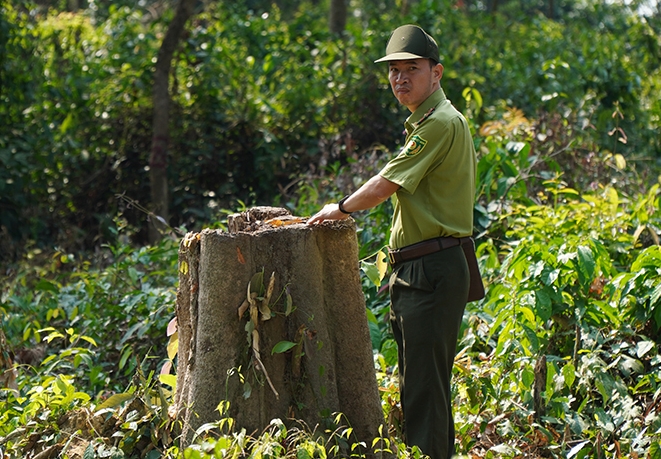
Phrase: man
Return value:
(433, 183)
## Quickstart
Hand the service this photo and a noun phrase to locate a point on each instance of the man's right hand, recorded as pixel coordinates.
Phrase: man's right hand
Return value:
(329, 212)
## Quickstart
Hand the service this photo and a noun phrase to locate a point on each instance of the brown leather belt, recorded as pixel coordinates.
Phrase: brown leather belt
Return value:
(423, 248)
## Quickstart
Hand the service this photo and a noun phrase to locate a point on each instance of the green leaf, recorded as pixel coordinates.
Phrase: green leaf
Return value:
(527, 378)
(84, 397)
(46, 286)
(371, 317)
(502, 449)
(549, 276)
(115, 400)
(604, 384)
(64, 127)
(532, 339)
(577, 449)
(570, 191)
(586, 266)
(643, 347)
(288, 303)
(223, 443)
(168, 380)
(528, 314)
(282, 346)
(569, 372)
(551, 372)
(504, 337)
(504, 184)
(657, 316)
(655, 450)
(89, 452)
(52, 336)
(656, 295)
(648, 258)
(88, 339)
(249, 328)
(133, 274)
(543, 305)
(478, 98)
(126, 353)
(256, 284)
(613, 197)
(604, 420)
(62, 384)
(628, 366)
(372, 272)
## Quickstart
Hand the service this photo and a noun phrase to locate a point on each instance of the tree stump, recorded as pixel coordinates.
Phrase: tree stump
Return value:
(271, 318)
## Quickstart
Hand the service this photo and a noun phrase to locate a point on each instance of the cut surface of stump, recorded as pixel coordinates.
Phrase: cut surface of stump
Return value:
(271, 318)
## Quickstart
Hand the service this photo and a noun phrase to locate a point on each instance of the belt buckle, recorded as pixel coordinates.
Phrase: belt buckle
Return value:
(391, 257)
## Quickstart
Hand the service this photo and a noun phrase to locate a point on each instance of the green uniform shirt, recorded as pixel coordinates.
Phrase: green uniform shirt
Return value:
(436, 172)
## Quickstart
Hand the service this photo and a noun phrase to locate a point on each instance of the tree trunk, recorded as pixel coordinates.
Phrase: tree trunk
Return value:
(539, 387)
(158, 159)
(303, 354)
(338, 16)
(8, 373)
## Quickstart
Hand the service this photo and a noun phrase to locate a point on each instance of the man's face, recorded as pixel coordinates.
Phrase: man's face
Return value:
(412, 81)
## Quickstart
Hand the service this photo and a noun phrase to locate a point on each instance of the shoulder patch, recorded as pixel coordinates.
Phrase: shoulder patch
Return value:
(414, 146)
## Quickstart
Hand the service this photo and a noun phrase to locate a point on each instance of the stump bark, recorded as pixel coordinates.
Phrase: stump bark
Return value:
(314, 356)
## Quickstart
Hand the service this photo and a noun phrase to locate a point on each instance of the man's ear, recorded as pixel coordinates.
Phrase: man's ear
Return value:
(438, 69)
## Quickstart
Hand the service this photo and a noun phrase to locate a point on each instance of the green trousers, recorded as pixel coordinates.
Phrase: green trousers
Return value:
(428, 298)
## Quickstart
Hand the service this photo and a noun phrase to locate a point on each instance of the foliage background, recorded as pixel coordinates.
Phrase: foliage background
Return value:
(259, 100)
(270, 108)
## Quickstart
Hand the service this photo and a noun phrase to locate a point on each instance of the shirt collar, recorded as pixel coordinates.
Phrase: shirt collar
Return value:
(431, 102)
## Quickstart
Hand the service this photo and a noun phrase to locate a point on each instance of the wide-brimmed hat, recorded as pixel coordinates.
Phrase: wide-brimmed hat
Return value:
(410, 42)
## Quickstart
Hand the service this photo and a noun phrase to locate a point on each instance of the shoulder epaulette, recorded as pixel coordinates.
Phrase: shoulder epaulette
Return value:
(425, 116)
